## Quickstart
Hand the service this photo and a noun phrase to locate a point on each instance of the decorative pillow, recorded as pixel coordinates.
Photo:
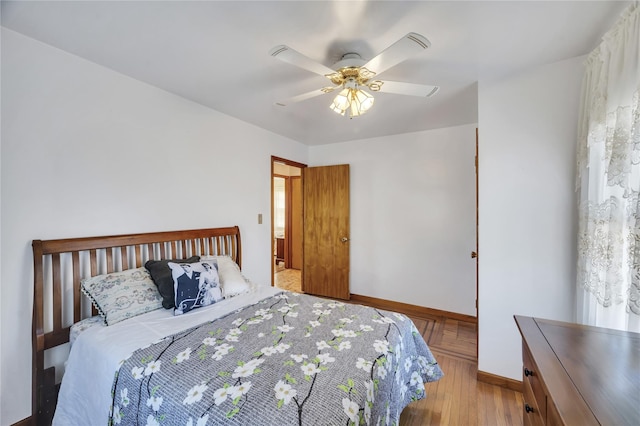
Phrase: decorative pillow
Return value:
(161, 275)
(121, 295)
(195, 285)
(83, 325)
(231, 279)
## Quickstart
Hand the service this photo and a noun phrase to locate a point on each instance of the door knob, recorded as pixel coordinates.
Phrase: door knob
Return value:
(344, 239)
(474, 254)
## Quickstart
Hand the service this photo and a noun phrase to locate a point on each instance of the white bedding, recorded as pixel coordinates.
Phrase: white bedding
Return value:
(95, 357)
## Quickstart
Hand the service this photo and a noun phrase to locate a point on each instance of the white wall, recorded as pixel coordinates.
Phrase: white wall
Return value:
(412, 216)
(527, 223)
(87, 151)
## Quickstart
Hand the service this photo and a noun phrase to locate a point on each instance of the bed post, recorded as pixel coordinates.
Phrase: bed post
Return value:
(43, 387)
(239, 251)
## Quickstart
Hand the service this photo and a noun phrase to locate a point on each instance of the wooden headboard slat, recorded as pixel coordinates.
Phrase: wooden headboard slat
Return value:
(94, 262)
(97, 255)
(109, 253)
(93, 259)
(234, 246)
(77, 306)
(138, 256)
(57, 292)
(123, 257)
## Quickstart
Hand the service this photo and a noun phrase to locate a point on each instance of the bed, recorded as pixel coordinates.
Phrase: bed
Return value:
(252, 355)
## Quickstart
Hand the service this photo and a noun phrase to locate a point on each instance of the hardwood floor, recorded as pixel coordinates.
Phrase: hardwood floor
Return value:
(458, 399)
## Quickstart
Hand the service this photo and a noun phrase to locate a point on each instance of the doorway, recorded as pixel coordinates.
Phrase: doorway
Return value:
(286, 224)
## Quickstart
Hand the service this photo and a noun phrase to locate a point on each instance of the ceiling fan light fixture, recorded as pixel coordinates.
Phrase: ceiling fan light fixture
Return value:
(352, 99)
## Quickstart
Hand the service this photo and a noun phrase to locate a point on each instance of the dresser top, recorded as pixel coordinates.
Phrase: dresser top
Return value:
(602, 364)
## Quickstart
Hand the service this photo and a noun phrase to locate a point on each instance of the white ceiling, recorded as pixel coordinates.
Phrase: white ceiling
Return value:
(216, 52)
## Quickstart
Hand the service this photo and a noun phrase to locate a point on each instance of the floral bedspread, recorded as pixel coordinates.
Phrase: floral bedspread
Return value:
(288, 360)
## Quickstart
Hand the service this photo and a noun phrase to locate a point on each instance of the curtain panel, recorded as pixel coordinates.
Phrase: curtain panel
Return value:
(608, 180)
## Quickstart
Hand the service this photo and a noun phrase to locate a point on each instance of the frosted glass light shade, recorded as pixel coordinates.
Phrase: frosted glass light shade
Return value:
(341, 102)
(356, 101)
(361, 101)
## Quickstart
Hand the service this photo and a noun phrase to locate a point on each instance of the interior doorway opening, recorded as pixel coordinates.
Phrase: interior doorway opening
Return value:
(286, 224)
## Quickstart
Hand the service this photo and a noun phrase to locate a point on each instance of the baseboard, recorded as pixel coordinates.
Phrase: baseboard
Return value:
(503, 382)
(23, 422)
(408, 309)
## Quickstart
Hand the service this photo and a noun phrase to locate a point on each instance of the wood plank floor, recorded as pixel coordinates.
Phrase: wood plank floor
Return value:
(457, 399)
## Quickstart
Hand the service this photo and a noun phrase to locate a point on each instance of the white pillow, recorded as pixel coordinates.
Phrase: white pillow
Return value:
(231, 279)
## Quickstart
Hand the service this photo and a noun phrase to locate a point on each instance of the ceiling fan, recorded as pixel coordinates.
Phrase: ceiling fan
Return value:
(352, 74)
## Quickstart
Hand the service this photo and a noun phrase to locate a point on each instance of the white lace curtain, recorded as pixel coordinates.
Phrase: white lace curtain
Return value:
(608, 167)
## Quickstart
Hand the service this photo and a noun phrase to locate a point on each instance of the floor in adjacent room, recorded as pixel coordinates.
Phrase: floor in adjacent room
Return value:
(287, 279)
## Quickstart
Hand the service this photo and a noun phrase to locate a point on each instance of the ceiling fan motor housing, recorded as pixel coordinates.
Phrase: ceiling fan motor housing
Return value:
(349, 60)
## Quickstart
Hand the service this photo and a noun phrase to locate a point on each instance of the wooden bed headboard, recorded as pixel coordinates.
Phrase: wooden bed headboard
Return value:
(58, 302)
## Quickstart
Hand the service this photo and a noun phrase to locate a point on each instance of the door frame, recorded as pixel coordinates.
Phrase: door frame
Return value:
(287, 218)
(291, 163)
(477, 249)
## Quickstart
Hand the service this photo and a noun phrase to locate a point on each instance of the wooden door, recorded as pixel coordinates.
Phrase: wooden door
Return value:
(325, 269)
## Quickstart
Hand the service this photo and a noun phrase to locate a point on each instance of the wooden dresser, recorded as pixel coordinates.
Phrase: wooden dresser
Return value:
(579, 375)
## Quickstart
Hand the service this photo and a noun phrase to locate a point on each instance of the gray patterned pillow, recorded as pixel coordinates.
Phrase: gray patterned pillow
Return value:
(122, 295)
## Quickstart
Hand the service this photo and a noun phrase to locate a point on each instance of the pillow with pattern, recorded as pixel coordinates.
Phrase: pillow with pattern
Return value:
(195, 285)
(231, 279)
(121, 295)
(161, 275)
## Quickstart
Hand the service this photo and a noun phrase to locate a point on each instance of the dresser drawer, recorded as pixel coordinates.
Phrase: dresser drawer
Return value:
(531, 379)
(532, 414)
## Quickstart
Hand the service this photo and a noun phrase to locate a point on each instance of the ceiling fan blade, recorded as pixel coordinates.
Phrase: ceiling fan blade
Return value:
(399, 51)
(287, 54)
(305, 96)
(409, 89)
